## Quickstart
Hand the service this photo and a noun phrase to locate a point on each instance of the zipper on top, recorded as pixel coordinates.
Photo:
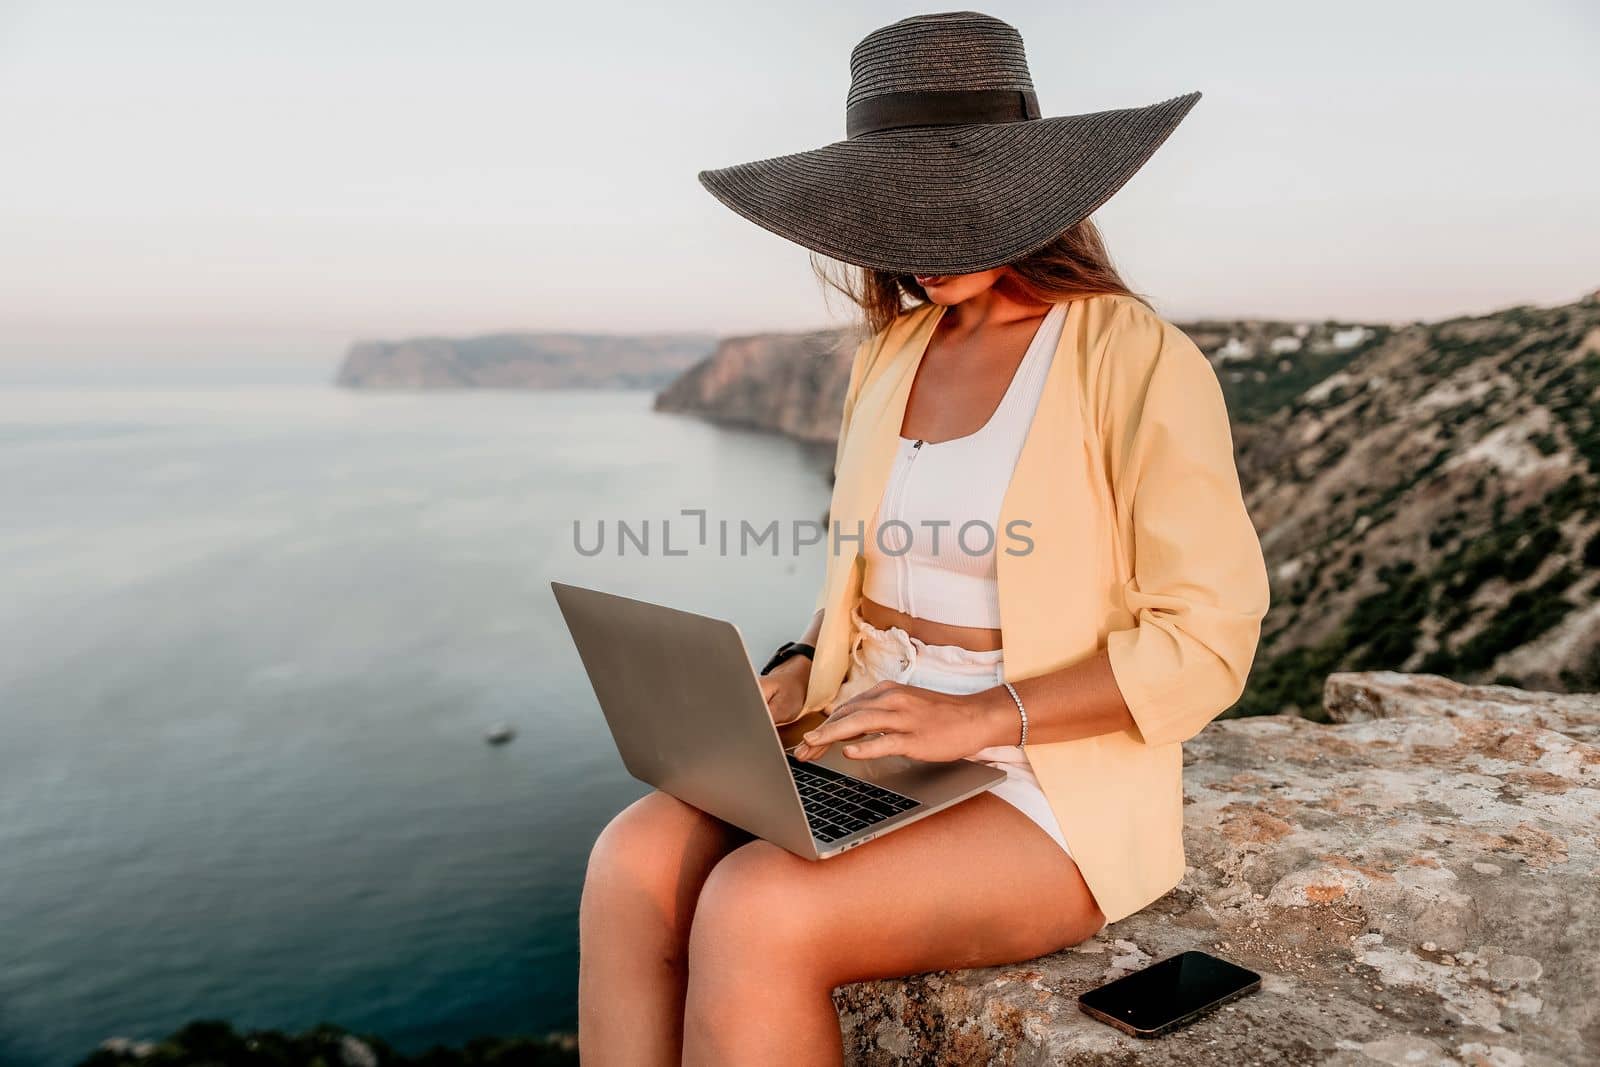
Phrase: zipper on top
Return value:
(901, 566)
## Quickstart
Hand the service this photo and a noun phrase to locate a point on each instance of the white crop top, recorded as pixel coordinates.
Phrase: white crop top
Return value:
(930, 552)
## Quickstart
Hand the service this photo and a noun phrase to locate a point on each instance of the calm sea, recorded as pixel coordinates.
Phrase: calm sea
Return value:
(250, 641)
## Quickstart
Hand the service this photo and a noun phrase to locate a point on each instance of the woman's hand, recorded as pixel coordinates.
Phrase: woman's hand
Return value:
(920, 723)
(784, 688)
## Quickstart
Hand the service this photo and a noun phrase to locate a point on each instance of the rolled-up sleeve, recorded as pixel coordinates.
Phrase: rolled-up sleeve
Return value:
(1199, 587)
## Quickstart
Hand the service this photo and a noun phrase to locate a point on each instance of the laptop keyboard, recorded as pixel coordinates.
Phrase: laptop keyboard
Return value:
(837, 805)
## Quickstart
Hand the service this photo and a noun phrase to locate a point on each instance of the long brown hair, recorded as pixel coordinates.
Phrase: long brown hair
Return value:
(1075, 264)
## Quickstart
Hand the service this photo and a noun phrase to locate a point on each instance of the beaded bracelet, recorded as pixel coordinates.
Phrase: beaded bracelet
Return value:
(1022, 711)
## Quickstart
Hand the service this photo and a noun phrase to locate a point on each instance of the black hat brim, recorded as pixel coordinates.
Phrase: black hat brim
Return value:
(948, 199)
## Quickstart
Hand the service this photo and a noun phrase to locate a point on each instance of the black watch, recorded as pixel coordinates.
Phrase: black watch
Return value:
(788, 649)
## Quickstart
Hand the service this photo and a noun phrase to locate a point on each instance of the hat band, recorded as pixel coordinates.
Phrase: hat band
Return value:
(939, 107)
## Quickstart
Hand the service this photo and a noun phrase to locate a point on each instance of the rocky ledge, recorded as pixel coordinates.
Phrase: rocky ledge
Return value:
(1415, 883)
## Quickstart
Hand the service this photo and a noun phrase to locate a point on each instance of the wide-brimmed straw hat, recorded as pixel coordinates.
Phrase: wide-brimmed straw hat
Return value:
(947, 166)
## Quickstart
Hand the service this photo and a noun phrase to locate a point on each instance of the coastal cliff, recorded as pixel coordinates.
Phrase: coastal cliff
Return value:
(791, 383)
(1427, 495)
(523, 361)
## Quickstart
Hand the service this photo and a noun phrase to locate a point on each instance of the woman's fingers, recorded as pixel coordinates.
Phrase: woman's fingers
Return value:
(850, 731)
(867, 720)
(872, 710)
(873, 747)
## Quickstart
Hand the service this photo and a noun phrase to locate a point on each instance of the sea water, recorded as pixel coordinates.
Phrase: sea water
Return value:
(250, 641)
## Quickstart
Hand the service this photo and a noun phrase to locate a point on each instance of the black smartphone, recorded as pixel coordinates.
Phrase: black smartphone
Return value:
(1168, 994)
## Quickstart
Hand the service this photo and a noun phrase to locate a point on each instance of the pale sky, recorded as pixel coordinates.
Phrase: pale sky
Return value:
(325, 170)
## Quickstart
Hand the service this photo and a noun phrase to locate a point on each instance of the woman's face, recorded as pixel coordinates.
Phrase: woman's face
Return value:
(954, 288)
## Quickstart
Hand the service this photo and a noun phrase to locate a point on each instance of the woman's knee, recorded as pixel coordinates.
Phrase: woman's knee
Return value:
(648, 851)
(756, 913)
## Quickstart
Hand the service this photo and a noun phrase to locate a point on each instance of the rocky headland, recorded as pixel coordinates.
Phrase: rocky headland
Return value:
(790, 383)
(523, 361)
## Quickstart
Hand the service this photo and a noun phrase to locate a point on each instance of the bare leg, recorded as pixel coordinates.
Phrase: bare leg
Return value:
(976, 885)
(644, 876)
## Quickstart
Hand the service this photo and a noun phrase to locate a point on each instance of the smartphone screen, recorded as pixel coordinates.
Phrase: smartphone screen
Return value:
(1167, 993)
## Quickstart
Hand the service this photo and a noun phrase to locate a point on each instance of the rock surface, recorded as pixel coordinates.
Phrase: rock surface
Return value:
(1360, 697)
(1416, 888)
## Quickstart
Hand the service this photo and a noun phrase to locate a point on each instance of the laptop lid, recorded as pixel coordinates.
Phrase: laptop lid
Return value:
(681, 698)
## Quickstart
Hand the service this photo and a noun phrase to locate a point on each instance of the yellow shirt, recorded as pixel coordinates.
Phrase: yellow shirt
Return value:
(1127, 489)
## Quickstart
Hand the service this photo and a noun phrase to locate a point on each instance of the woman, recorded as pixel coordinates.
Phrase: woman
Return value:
(1040, 559)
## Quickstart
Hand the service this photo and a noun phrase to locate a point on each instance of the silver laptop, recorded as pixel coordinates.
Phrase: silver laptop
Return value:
(681, 698)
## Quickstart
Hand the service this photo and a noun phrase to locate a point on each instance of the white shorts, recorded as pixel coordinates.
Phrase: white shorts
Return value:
(894, 655)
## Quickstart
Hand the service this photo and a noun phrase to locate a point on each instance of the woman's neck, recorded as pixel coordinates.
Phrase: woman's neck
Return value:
(994, 307)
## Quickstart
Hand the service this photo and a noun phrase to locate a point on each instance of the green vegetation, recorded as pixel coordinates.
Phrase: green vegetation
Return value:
(1383, 630)
(1511, 549)
(1567, 390)
(1389, 622)
(1380, 632)
(1381, 507)
(1529, 613)
(1292, 679)
(1251, 400)
(210, 1043)
(1575, 494)
(1448, 352)
(1585, 678)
